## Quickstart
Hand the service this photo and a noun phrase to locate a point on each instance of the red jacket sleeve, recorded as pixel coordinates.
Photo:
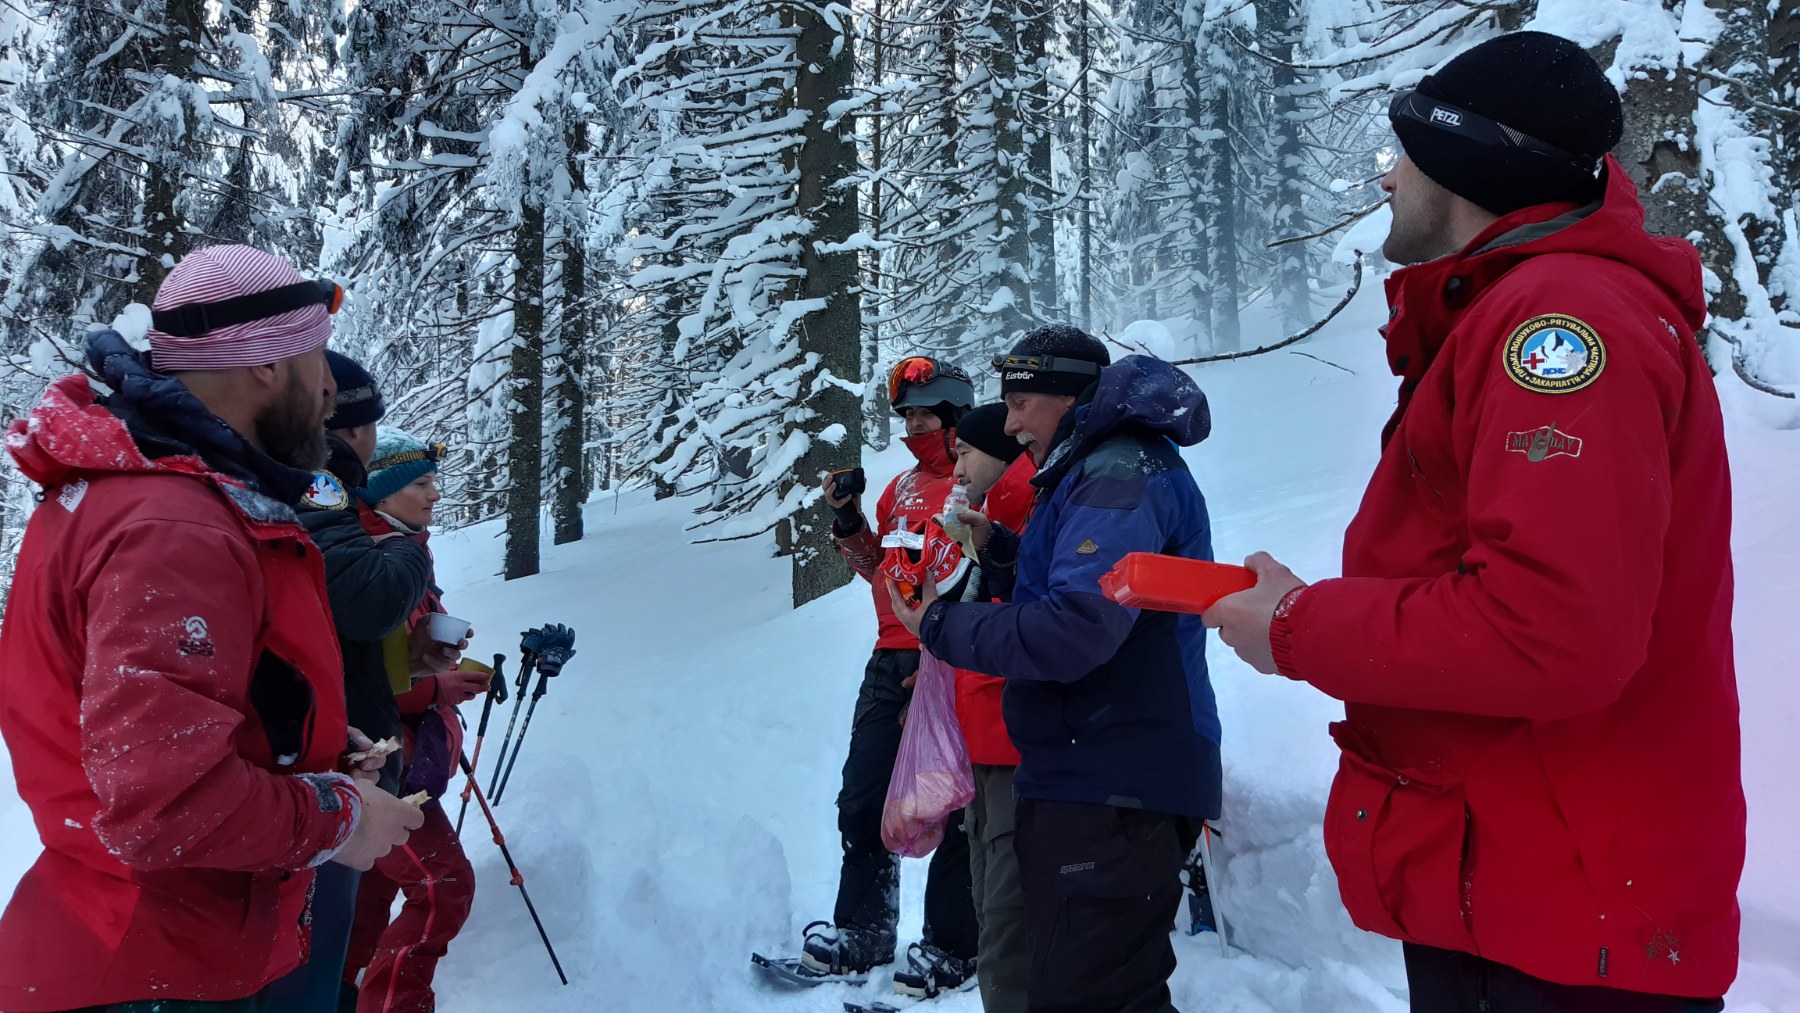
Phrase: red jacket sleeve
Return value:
(161, 716)
(1549, 613)
(863, 550)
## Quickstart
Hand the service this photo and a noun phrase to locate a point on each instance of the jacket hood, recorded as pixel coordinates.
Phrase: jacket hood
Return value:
(150, 423)
(1138, 393)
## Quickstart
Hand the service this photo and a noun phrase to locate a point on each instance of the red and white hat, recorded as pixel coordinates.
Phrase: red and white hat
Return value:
(223, 275)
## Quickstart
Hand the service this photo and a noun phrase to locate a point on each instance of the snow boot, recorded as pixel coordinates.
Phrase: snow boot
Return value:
(930, 971)
(829, 949)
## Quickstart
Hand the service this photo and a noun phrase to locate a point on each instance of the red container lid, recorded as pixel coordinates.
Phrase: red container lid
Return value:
(1150, 580)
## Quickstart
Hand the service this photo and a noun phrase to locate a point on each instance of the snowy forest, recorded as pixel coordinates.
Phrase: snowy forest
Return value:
(603, 244)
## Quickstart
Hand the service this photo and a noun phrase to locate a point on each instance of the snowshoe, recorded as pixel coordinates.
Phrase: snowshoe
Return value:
(790, 971)
(832, 950)
(931, 972)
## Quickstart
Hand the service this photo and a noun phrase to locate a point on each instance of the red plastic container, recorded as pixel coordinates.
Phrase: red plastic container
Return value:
(1150, 580)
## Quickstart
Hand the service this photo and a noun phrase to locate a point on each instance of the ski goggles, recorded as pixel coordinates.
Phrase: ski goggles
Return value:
(1046, 364)
(190, 320)
(1464, 123)
(914, 370)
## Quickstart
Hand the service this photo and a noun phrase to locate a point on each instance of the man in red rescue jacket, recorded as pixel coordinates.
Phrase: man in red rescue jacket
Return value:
(170, 687)
(931, 396)
(1539, 790)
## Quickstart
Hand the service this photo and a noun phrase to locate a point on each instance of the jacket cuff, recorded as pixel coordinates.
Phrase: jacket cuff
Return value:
(1283, 627)
(846, 522)
(928, 626)
(1002, 549)
(334, 795)
(420, 697)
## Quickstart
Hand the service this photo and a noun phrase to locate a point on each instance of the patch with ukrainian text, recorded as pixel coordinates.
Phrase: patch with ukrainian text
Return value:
(1554, 354)
(1543, 443)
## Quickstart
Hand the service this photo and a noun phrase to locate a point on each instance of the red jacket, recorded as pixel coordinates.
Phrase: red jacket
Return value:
(1533, 634)
(912, 496)
(176, 846)
(977, 695)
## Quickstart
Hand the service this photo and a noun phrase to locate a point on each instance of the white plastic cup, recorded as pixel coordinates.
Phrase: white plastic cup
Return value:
(448, 629)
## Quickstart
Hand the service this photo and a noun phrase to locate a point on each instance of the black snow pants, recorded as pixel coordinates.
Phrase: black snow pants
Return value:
(868, 887)
(1445, 981)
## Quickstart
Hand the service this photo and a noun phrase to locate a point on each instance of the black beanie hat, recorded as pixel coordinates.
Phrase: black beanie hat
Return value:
(1532, 83)
(1033, 365)
(984, 428)
(358, 400)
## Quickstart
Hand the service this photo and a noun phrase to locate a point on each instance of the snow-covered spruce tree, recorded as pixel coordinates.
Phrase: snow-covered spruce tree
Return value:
(971, 264)
(160, 123)
(745, 239)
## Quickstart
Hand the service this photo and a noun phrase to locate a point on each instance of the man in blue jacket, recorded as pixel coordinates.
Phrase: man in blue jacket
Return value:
(1110, 707)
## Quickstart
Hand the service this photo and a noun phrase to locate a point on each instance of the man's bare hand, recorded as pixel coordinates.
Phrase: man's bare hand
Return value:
(912, 617)
(428, 656)
(980, 527)
(385, 824)
(1243, 619)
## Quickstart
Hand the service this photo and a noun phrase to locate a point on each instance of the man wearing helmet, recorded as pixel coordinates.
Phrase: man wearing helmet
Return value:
(931, 396)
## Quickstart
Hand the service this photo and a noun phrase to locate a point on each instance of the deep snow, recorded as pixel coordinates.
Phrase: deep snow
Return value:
(673, 808)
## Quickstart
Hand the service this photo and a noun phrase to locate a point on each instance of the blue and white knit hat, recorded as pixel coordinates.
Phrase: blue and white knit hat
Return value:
(400, 458)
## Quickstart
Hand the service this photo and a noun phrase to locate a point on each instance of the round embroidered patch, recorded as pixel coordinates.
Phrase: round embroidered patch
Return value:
(326, 492)
(1554, 354)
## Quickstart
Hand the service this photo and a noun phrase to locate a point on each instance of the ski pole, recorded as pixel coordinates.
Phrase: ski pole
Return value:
(496, 692)
(543, 687)
(527, 660)
(518, 878)
(552, 645)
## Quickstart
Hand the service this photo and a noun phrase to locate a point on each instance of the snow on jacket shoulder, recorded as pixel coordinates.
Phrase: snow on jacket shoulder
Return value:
(1532, 634)
(171, 695)
(1106, 704)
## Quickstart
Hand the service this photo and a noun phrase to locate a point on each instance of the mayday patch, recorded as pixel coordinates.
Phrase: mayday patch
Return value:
(326, 492)
(1087, 548)
(1554, 354)
(1543, 443)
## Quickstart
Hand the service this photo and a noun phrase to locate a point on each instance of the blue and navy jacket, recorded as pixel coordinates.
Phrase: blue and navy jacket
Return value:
(1106, 704)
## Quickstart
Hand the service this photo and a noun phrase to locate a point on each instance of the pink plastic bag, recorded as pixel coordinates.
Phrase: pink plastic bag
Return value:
(931, 778)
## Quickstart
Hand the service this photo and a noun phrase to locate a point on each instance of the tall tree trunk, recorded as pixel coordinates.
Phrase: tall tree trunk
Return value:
(525, 449)
(876, 423)
(165, 240)
(1084, 86)
(1012, 199)
(827, 157)
(1783, 56)
(1221, 204)
(568, 452)
(1280, 25)
(1035, 17)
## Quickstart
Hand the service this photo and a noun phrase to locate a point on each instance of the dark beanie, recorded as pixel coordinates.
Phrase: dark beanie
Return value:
(358, 400)
(984, 428)
(1055, 341)
(1531, 83)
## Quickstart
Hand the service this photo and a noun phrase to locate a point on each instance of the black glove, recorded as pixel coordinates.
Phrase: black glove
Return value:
(552, 644)
(849, 520)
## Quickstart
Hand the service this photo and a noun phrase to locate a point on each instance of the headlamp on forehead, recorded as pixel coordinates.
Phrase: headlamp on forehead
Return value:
(1047, 364)
(1471, 125)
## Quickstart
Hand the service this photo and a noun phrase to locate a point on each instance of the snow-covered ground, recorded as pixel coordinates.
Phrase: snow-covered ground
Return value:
(673, 808)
